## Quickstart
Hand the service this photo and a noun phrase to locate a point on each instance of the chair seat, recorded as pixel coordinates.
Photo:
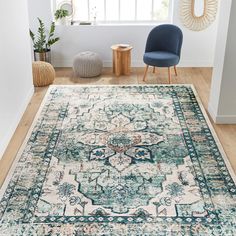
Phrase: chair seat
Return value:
(161, 59)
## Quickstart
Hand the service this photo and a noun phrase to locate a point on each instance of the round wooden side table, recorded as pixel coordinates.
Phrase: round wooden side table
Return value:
(121, 60)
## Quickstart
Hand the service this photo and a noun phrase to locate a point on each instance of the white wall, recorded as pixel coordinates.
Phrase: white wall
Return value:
(16, 86)
(222, 105)
(99, 39)
(41, 9)
(198, 47)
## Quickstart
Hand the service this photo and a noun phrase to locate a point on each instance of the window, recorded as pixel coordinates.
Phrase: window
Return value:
(121, 11)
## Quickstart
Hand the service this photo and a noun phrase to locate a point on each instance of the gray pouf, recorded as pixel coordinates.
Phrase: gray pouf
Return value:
(87, 64)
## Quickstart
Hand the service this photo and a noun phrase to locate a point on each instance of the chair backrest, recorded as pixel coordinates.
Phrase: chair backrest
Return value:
(165, 37)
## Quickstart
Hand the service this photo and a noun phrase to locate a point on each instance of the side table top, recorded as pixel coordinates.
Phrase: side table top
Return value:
(117, 47)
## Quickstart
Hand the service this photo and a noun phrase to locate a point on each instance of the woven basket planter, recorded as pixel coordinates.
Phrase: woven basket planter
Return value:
(43, 74)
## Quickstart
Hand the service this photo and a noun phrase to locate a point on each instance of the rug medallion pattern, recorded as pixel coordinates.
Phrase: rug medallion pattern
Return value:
(120, 160)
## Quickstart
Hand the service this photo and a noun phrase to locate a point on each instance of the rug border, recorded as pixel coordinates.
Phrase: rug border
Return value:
(215, 136)
(21, 149)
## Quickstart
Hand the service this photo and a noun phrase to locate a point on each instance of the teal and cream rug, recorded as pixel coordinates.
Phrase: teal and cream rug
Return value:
(120, 160)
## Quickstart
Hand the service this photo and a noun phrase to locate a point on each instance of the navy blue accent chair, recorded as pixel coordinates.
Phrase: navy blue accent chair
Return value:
(163, 48)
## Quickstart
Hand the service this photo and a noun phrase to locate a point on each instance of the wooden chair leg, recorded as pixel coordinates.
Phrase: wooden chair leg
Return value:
(169, 74)
(154, 69)
(175, 71)
(145, 73)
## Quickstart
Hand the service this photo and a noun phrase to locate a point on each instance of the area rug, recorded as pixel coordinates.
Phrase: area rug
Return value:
(120, 160)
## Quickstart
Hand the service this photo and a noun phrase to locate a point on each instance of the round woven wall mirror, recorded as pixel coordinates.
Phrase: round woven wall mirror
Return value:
(197, 15)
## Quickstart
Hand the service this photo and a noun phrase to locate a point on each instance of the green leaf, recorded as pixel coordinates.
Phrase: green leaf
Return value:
(61, 13)
(52, 29)
(40, 41)
(52, 41)
(32, 35)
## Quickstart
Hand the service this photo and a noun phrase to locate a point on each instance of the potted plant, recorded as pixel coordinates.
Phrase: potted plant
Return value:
(61, 15)
(43, 42)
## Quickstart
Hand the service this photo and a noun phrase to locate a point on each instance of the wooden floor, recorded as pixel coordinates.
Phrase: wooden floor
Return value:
(200, 77)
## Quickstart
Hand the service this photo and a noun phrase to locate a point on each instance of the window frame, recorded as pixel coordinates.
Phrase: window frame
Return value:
(123, 22)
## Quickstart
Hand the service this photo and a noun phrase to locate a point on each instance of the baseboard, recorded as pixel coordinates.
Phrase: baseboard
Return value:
(69, 63)
(6, 139)
(135, 63)
(227, 120)
(194, 63)
(212, 113)
(221, 119)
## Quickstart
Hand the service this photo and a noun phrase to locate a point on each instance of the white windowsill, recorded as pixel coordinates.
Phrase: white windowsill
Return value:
(116, 24)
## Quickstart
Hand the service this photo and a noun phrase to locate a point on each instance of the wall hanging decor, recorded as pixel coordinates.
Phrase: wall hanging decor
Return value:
(197, 15)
